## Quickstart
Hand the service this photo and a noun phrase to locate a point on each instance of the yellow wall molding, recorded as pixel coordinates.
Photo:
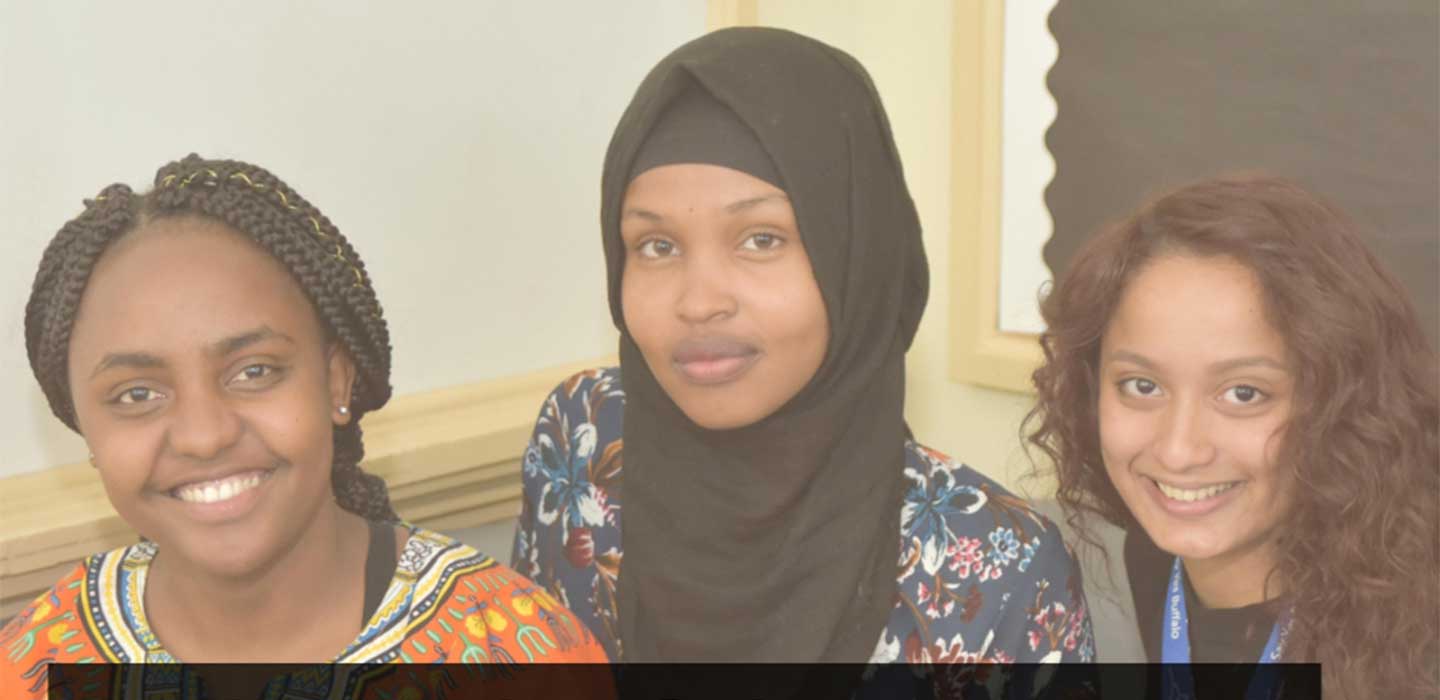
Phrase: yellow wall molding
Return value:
(980, 352)
(450, 456)
(731, 13)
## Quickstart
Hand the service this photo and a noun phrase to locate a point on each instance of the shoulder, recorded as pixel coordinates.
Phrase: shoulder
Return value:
(56, 626)
(930, 460)
(581, 418)
(1147, 570)
(968, 502)
(958, 523)
(50, 607)
(984, 566)
(604, 381)
(428, 551)
(65, 600)
(492, 604)
(585, 397)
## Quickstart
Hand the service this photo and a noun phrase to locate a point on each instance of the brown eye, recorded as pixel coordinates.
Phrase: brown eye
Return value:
(656, 248)
(256, 375)
(1140, 387)
(762, 242)
(136, 395)
(1244, 395)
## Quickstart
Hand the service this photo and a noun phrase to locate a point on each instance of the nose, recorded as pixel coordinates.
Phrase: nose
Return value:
(1184, 438)
(707, 293)
(204, 425)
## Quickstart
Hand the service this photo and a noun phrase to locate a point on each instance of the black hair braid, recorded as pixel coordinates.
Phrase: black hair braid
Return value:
(255, 203)
(353, 484)
(55, 295)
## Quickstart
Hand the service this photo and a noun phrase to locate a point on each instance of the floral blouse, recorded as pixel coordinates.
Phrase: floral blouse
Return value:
(982, 577)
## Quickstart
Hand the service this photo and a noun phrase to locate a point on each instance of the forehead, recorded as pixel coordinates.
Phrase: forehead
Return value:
(186, 281)
(1210, 308)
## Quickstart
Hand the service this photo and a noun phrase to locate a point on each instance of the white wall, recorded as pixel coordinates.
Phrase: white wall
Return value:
(458, 145)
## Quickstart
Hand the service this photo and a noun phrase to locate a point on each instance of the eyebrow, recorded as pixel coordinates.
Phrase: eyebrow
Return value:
(222, 347)
(229, 345)
(731, 208)
(642, 214)
(135, 360)
(1219, 367)
(1127, 356)
(744, 204)
(1253, 361)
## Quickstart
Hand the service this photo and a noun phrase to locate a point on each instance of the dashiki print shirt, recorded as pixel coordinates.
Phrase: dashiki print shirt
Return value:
(983, 577)
(446, 604)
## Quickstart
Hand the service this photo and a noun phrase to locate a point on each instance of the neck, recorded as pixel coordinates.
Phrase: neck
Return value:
(1235, 579)
(318, 577)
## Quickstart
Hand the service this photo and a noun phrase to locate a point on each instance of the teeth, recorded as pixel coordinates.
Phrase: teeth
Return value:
(1192, 495)
(220, 490)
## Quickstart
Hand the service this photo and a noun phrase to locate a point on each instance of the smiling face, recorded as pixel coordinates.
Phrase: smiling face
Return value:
(1195, 392)
(718, 292)
(206, 391)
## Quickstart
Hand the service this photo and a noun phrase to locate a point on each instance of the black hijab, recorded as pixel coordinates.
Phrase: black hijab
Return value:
(777, 541)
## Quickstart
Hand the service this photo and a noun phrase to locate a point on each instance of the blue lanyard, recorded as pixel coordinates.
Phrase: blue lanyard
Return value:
(1175, 647)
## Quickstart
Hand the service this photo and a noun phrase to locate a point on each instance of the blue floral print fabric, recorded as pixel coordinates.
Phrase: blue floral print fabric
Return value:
(982, 576)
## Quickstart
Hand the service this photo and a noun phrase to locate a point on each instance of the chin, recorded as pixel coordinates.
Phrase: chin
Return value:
(240, 556)
(720, 413)
(1189, 546)
(718, 419)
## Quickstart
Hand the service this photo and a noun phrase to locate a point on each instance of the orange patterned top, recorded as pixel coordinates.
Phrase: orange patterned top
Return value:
(446, 604)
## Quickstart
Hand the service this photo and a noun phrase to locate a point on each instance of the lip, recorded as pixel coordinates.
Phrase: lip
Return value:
(1190, 509)
(712, 360)
(233, 508)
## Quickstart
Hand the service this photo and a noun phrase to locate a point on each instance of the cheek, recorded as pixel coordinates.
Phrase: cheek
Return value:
(792, 313)
(125, 453)
(1124, 435)
(126, 458)
(124, 471)
(300, 438)
(642, 302)
(295, 425)
(1256, 447)
(289, 422)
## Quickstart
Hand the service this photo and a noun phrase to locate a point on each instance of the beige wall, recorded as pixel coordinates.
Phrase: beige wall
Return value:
(906, 47)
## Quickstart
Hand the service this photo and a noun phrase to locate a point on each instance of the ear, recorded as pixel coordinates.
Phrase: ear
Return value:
(341, 380)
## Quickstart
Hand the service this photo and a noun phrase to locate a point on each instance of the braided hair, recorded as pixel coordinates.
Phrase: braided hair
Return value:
(260, 206)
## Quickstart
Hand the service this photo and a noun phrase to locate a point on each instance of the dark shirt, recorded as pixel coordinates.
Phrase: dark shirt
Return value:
(1234, 637)
(1225, 635)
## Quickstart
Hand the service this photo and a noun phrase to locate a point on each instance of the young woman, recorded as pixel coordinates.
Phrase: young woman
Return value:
(1233, 377)
(767, 275)
(216, 342)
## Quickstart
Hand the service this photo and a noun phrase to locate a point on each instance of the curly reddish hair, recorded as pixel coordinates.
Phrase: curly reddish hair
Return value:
(1359, 551)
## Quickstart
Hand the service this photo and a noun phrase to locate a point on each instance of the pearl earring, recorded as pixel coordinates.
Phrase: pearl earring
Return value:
(92, 461)
(344, 410)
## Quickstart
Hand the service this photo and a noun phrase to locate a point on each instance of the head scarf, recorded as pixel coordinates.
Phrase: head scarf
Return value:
(777, 541)
(694, 128)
